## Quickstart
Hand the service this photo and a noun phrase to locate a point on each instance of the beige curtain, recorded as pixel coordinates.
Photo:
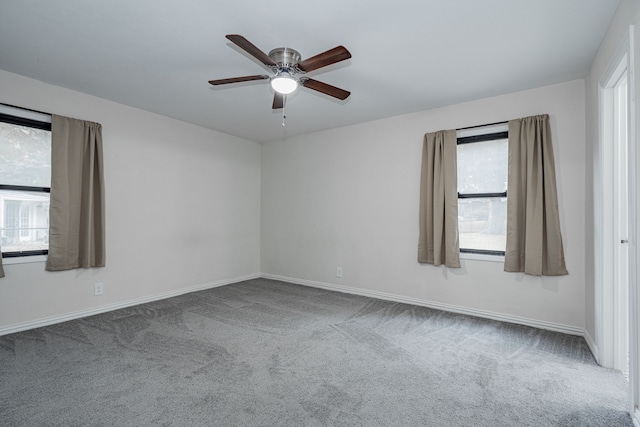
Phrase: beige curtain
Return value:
(438, 241)
(76, 213)
(534, 243)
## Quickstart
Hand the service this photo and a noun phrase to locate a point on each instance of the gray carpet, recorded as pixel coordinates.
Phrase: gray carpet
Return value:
(267, 353)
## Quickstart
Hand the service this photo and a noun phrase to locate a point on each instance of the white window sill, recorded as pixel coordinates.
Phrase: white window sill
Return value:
(24, 259)
(482, 257)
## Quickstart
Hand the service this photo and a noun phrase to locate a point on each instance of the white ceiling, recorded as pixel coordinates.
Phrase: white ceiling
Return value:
(408, 55)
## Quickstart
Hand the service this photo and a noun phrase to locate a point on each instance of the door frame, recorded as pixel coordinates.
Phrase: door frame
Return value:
(604, 223)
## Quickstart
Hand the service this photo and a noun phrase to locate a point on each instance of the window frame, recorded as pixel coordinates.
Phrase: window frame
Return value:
(33, 119)
(484, 133)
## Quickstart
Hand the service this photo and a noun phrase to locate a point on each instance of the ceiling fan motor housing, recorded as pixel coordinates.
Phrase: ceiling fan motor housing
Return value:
(285, 57)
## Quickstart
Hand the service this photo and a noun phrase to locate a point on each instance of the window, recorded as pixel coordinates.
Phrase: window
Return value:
(482, 189)
(25, 180)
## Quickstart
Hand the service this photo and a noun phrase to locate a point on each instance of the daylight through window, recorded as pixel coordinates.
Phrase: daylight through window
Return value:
(25, 181)
(482, 189)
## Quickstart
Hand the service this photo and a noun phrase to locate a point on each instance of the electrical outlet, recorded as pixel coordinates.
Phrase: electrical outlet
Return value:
(338, 271)
(98, 289)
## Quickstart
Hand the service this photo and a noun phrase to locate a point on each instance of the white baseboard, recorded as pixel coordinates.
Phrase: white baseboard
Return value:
(338, 288)
(592, 346)
(540, 324)
(129, 303)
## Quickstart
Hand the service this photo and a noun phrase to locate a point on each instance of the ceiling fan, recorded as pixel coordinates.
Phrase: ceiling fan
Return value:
(288, 70)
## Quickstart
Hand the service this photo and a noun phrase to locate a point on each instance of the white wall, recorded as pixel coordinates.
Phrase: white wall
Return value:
(349, 198)
(182, 209)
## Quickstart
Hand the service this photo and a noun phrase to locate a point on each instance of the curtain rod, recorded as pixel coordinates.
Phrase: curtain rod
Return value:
(26, 109)
(481, 126)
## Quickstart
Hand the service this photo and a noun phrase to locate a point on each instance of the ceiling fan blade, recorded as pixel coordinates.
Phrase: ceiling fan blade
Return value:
(238, 79)
(251, 49)
(337, 54)
(325, 88)
(278, 101)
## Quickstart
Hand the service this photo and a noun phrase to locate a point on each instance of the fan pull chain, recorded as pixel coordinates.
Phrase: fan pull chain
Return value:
(284, 117)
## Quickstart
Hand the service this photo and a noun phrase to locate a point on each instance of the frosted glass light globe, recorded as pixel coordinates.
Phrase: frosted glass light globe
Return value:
(283, 83)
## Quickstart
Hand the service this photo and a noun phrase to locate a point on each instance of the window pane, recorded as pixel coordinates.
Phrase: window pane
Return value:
(482, 223)
(24, 221)
(25, 156)
(482, 167)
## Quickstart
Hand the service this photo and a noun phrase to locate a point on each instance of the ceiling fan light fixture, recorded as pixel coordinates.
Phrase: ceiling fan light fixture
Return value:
(283, 83)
